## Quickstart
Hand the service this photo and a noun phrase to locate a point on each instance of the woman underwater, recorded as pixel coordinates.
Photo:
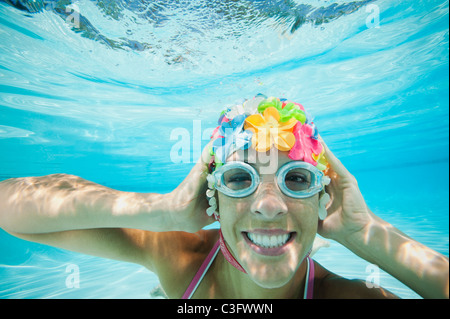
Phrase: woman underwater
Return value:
(273, 184)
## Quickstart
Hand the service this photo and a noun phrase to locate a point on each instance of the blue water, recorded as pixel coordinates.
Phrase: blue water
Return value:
(96, 88)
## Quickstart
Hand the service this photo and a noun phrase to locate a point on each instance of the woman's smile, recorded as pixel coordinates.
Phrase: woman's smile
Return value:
(269, 242)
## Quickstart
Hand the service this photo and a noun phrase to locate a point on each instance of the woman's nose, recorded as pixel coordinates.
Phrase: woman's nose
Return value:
(268, 202)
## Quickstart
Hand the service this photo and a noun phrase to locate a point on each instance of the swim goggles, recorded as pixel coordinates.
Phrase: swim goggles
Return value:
(295, 179)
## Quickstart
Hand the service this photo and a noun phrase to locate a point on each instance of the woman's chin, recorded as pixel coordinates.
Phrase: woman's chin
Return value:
(271, 274)
(271, 281)
(271, 271)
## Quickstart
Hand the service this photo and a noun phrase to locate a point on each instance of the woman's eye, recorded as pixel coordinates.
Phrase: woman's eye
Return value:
(297, 178)
(238, 178)
(297, 182)
(238, 181)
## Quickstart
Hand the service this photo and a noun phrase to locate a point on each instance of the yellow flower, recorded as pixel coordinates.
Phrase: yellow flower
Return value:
(322, 162)
(268, 130)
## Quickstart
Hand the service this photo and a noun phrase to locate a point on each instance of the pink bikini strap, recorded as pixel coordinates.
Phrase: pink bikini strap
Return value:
(228, 256)
(201, 272)
(310, 279)
(220, 245)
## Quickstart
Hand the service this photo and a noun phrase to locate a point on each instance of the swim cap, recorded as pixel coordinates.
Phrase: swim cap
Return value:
(263, 123)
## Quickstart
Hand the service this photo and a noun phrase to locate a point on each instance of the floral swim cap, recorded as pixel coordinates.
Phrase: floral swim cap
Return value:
(263, 123)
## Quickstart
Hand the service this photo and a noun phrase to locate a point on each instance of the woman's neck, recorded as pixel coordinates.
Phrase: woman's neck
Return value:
(232, 283)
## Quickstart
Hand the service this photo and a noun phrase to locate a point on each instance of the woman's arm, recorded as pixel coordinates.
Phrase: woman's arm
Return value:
(69, 212)
(417, 266)
(62, 202)
(351, 223)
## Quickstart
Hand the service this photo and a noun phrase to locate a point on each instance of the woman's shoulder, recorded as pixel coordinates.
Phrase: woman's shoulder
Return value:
(177, 256)
(328, 285)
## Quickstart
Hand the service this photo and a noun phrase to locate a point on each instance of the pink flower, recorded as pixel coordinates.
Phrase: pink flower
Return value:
(305, 145)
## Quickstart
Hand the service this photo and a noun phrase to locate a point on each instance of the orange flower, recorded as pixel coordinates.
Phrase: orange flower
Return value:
(268, 130)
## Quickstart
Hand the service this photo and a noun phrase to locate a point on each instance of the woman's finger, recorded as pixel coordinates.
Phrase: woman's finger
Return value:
(334, 162)
(205, 158)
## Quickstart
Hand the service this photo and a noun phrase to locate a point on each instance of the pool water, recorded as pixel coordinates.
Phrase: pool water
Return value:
(97, 88)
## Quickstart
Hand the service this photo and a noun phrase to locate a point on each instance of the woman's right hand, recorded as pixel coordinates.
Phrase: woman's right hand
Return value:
(188, 201)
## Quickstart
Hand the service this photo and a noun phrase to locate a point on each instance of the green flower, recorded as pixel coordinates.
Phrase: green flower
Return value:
(287, 110)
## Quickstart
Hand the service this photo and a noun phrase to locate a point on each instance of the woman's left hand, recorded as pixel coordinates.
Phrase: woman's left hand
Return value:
(351, 223)
(347, 211)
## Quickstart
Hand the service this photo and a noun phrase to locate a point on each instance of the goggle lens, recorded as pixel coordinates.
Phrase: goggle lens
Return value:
(295, 179)
(237, 179)
(298, 179)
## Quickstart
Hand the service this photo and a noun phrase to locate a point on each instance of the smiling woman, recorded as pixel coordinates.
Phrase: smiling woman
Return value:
(266, 227)
(268, 219)
(102, 91)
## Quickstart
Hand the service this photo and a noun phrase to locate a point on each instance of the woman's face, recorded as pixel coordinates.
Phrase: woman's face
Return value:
(268, 232)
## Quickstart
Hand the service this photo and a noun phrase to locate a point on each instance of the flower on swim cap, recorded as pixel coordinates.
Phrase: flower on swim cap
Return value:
(265, 122)
(268, 130)
(230, 134)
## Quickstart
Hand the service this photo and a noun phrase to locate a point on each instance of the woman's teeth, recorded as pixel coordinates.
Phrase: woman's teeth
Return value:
(267, 241)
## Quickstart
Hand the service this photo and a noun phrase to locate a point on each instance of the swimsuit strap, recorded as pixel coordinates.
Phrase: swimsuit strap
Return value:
(227, 254)
(201, 272)
(309, 284)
